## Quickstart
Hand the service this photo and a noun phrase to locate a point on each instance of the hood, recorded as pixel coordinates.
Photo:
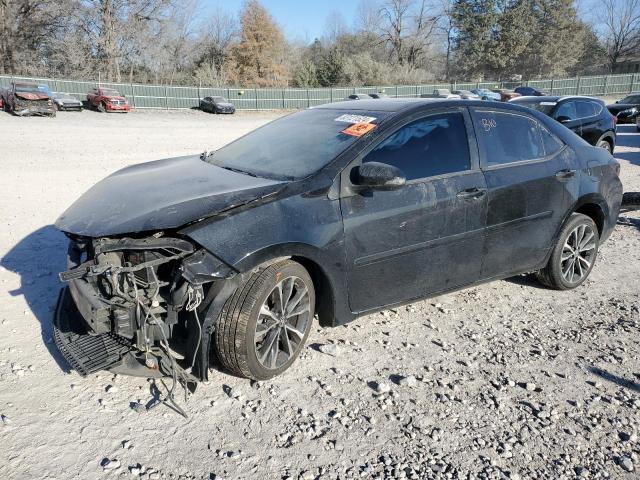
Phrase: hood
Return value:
(67, 98)
(224, 104)
(159, 195)
(32, 95)
(113, 97)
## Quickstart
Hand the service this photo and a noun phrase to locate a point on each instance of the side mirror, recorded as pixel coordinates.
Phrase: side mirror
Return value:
(563, 119)
(377, 176)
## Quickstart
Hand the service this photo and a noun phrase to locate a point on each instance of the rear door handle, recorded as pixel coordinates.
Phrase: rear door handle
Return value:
(566, 173)
(472, 193)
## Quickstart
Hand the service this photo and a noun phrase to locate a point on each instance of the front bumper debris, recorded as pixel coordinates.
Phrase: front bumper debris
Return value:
(85, 353)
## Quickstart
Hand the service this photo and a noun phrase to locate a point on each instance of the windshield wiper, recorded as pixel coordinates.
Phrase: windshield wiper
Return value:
(237, 170)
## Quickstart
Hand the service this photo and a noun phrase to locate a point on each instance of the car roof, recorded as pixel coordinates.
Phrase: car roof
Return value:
(556, 98)
(407, 105)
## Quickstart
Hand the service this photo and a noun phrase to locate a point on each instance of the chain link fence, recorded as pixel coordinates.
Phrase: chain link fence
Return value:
(176, 97)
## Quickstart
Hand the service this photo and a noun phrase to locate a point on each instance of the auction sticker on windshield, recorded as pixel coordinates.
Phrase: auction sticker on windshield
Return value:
(348, 118)
(359, 129)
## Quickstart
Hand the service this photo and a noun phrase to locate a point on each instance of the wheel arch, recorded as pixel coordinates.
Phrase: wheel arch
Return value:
(608, 137)
(326, 275)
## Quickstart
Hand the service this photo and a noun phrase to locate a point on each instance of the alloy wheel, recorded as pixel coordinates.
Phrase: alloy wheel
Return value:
(282, 323)
(578, 254)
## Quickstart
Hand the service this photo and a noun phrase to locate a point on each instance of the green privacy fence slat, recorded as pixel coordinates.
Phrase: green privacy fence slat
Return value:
(177, 97)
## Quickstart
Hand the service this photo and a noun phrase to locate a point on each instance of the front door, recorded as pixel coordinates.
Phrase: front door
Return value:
(426, 236)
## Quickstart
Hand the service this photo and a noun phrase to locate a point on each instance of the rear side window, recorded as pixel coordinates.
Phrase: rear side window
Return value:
(551, 143)
(507, 138)
(585, 109)
(434, 145)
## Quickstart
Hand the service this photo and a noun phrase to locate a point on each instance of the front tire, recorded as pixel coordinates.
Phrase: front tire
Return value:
(574, 254)
(264, 325)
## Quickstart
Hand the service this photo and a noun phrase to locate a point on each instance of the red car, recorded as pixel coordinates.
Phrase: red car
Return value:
(107, 100)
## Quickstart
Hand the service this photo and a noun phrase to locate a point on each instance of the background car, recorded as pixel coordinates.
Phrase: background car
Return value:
(107, 100)
(586, 116)
(486, 94)
(25, 99)
(358, 96)
(505, 94)
(440, 93)
(530, 92)
(378, 95)
(61, 101)
(466, 94)
(627, 109)
(217, 105)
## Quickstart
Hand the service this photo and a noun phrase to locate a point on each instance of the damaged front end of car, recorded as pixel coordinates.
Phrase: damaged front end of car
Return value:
(139, 306)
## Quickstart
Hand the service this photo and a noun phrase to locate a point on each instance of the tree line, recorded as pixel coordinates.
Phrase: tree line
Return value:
(389, 42)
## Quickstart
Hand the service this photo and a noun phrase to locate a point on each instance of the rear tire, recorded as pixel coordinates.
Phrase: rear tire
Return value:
(606, 145)
(258, 336)
(574, 254)
(102, 108)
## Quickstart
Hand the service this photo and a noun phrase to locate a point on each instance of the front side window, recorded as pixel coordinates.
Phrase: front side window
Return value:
(506, 138)
(434, 145)
(567, 111)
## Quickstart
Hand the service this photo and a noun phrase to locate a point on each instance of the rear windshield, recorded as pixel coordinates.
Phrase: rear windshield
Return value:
(540, 105)
(295, 146)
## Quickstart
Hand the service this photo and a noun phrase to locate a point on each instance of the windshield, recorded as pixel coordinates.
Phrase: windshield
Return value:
(295, 146)
(631, 99)
(110, 92)
(26, 88)
(220, 100)
(541, 106)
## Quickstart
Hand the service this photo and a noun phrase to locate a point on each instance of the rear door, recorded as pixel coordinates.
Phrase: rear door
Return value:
(427, 235)
(531, 182)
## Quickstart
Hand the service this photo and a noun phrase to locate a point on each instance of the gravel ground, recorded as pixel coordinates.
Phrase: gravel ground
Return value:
(503, 381)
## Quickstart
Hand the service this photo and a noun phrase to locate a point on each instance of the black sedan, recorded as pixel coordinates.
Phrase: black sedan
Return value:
(586, 116)
(627, 109)
(340, 210)
(217, 105)
(530, 92)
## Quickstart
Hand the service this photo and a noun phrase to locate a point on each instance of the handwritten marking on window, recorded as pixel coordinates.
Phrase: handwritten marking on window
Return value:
(488, 124)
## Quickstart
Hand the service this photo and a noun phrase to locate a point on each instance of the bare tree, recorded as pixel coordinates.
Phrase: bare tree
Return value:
(220, 33)
(406, 27)
(112, 25)
(621, 30)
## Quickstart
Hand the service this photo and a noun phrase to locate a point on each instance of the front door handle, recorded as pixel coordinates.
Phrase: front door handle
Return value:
(472, 193)
(566, 173)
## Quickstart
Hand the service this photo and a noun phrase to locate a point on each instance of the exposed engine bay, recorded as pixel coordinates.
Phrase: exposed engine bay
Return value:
(147, 296)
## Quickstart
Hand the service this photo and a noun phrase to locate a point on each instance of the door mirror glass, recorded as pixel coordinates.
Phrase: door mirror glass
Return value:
(378, 176)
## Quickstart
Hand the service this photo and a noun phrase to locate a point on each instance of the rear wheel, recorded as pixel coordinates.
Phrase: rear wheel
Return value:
(264, 325)
(574, 254)
(606, 145)
(101, 107)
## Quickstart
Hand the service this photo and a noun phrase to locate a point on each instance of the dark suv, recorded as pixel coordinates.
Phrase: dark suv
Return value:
(586, 116)
(368, 205)
(627, 109)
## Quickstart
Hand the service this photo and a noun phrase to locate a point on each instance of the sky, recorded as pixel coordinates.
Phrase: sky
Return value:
(301, 19)
(306, 19)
